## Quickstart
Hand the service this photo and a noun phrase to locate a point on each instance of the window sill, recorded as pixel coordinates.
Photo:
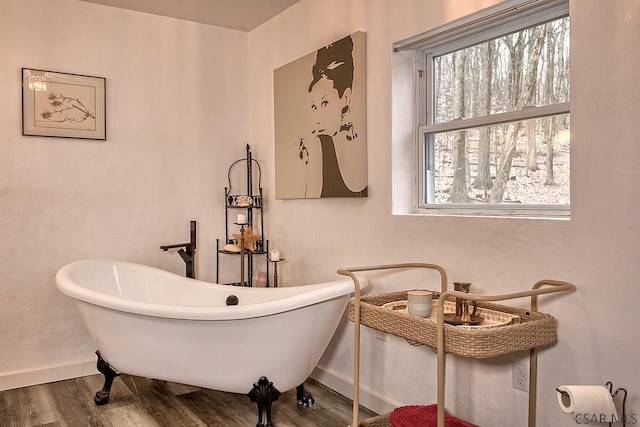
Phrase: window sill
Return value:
(533, 212)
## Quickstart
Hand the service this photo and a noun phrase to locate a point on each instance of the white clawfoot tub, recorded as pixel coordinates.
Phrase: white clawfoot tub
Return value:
(152, 323)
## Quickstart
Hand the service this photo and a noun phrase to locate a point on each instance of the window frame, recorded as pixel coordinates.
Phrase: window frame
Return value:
(505, 18)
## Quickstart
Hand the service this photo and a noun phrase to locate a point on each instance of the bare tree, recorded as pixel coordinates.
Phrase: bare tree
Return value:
(459, 193)
(532, 147)
(550, 131)
(515, 43)
(525, 97)
(483, 176)
(556, 54)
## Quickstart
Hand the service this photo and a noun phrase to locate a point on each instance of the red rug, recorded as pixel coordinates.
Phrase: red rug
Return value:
(423, 416)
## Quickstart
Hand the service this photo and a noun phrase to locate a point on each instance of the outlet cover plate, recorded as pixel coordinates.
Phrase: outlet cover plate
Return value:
(521, 375)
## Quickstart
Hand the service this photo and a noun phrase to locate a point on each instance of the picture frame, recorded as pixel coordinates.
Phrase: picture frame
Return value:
(63, 105)
(320, 122)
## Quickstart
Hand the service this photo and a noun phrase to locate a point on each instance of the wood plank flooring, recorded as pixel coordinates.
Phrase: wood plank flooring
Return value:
(144, 402)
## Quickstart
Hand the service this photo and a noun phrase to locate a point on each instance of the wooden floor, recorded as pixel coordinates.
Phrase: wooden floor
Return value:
(145, 402)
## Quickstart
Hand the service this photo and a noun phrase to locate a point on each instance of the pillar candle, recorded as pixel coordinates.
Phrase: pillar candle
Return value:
(275, 255)
(241, 219)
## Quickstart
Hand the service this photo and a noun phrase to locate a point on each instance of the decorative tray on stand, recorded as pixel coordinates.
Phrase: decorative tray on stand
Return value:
(505, 329)
(489, 318)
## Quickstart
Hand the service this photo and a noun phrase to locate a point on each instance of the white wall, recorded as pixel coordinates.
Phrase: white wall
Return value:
(597, 249)
(177, 116)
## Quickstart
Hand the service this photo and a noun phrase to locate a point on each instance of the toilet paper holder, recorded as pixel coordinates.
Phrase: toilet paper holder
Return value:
(609, 386)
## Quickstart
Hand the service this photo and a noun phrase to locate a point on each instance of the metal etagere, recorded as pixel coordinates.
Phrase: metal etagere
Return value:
(250, 205)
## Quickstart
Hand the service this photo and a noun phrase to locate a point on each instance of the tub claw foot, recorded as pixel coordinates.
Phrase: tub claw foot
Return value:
(264, 394)
(303, 397)
(102, 396)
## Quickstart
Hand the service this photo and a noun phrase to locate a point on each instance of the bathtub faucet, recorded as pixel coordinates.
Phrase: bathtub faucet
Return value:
(187, 251)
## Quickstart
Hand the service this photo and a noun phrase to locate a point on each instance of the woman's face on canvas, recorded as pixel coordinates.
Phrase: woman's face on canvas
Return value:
(326, 108)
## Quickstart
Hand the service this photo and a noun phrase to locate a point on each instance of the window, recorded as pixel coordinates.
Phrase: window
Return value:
(494, 111)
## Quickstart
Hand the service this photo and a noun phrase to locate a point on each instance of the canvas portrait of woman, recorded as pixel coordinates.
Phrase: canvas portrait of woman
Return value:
(320, 123)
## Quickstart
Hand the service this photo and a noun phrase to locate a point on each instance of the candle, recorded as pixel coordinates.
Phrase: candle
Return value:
(275, 255)
(241, 219)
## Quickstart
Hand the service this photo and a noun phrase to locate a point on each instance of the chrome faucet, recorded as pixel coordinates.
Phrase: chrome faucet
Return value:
(187, 251)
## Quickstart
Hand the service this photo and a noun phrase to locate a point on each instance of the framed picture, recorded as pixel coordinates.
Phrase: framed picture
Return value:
(320, 123)
(63, 105)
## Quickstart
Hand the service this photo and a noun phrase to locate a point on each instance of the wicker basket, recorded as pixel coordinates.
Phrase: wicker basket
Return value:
(534, 330)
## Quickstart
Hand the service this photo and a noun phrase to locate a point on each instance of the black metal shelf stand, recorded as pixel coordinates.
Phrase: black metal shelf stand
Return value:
(251, 203)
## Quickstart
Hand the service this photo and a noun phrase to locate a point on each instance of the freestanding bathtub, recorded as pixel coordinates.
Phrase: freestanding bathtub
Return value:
(152, 323)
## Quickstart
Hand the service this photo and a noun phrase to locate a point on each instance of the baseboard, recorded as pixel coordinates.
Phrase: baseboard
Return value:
(47, 375)
(343, 385)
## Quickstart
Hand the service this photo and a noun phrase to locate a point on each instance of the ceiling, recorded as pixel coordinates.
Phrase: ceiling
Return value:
(243, 15)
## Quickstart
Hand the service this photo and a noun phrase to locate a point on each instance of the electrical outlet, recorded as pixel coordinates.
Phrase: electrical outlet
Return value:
(521, 375)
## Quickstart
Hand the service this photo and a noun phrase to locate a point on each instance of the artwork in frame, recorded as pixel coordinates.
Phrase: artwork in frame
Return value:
(63, 105)
(320, 123)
